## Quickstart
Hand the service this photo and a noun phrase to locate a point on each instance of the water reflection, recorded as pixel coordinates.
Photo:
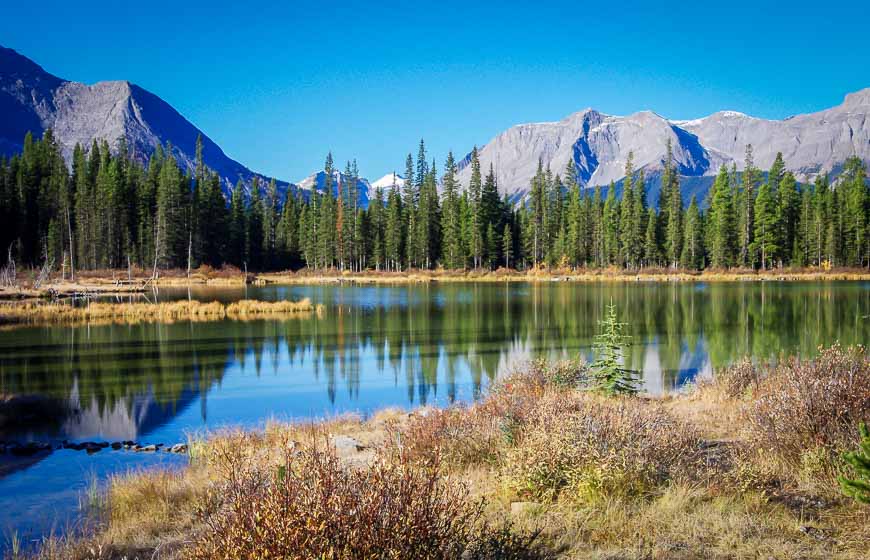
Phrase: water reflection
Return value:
(375, 346)
(405, 345)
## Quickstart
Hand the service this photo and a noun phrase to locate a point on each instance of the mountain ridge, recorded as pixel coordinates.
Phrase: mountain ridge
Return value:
(594, 143)
(597, 144)
(34, 100)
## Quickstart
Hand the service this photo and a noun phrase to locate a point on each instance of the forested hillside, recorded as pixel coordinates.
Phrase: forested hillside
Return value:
(111, 211)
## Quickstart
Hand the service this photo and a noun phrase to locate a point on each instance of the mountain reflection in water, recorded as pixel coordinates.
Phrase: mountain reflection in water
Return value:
(375, 346)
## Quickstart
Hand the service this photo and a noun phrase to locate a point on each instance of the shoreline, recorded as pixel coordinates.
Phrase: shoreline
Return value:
(567, 473)
(107, 283)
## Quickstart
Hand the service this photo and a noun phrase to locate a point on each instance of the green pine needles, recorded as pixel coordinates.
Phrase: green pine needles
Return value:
(607, 374)
(859, 487)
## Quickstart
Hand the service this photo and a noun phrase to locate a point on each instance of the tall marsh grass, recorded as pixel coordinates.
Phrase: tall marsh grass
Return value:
(166, 312)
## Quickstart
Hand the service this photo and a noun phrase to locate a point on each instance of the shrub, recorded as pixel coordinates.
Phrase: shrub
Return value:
(478, 434)
(733, 381)
(805, 412)
(313, 506)
(461, 436)
(588, 447)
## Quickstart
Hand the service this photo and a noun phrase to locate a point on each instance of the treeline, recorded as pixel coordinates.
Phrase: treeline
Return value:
(111, 211)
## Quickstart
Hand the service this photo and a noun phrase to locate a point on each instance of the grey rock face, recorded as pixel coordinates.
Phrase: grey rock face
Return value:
(33, 100)
(598, 145)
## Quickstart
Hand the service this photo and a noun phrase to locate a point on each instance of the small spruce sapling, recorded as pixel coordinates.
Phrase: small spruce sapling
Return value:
(607, 375)
(859, 487)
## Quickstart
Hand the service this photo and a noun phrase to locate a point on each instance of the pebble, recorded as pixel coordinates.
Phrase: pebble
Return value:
(33, 447)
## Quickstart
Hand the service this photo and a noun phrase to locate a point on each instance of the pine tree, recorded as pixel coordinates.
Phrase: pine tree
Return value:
(788, 215)
(693, 242)
(507, 245)
(254, 228)
(376, 223)
(576, 225)
(856, 202)
(490, 202)
(393, 228)
(492, 245)
(238, 226)
(858, 488)
(674, 202)
(450, 225)
(746, 209)
(538, 208)
(610, 225)
(720, 221)
(764, 243)
(651, 251)
(411, 203)
(475, 191)
(607, 374)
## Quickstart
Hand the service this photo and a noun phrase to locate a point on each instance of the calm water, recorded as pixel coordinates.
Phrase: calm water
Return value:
(375, 346)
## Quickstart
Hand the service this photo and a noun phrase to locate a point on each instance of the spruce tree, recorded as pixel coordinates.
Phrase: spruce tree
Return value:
(393, 228)
(858, 488)
(607, 373)
(720, 221)
(788, 199)
(238, 226)
(450, 225)
(693, 242)
(507, 245)
(674, 202)
(764, 244)
(651, 251)
(475, 191)
(746, 209)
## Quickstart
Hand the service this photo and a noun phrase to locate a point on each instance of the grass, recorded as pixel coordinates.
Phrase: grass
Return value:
(169, 312)
(545, 274)
(538, 468)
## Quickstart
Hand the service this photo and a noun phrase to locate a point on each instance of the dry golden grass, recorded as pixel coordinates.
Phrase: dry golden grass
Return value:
(131, 313)
(545, 274)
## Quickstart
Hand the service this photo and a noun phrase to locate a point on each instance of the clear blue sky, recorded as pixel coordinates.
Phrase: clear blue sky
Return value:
(279, 86)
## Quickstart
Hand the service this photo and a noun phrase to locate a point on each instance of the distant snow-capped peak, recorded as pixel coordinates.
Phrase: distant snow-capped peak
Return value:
(388, 180)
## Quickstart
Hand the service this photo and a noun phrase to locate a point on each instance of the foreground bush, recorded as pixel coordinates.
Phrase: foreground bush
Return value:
(313, 506)
(479, 434)
(804, 413)
(588, 447)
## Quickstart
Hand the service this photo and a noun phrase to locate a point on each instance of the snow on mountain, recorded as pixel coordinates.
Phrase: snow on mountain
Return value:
(318, 181)
(387, 181)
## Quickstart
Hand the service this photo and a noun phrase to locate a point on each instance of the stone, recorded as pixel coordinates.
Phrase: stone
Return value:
(347, 444)
(814, 533)
(30, 448)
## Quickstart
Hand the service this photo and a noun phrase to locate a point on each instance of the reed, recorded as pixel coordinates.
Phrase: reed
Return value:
(30, 313)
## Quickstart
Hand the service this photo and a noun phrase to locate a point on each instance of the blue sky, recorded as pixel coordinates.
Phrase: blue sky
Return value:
(278, 86)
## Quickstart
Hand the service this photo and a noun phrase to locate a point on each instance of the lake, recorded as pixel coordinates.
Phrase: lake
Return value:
(375, 346)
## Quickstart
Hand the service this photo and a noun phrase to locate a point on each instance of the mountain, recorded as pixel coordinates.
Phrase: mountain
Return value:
(33, 100)
(386, 182)
(318, 181)
(597, 145)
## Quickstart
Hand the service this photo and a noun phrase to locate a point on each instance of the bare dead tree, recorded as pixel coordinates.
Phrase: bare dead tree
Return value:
(8, 274)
